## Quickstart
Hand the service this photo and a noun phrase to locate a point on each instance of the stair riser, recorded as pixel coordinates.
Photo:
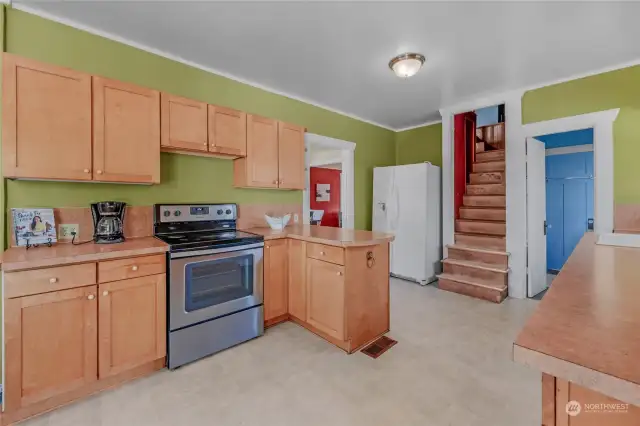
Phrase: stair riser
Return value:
(484, 201)
(481, 242)
(482, 228)
(483, 214)
(483, 157)
(492, 295)
(494, 166)
(488, 177)
(486, 189)
(489, 258)
(480, 147)
(497, 278)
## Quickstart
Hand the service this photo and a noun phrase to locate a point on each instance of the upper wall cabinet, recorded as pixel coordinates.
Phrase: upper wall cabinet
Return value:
(46, 121)
(290, 156)
(126, 132)
(227, 131)
(184, 123)
(275, 155)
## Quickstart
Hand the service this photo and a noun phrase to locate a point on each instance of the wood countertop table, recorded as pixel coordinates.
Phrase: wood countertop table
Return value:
(19, 258)
(586, 329)
(325, 235)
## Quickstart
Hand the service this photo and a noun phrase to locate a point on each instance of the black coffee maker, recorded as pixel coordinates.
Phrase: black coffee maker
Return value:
(108, 222)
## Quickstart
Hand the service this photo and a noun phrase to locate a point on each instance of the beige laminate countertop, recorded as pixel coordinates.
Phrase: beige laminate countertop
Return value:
(19, 258)
(587, 327)
(325, 235)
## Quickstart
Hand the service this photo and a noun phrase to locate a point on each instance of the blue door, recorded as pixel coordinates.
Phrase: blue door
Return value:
(569, 204)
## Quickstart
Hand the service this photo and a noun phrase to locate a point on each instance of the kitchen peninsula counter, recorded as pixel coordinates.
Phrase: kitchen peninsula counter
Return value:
(339, 237)
(585, 334)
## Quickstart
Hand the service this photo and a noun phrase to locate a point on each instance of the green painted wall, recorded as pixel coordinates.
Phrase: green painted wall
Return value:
(419, 145)
(615, 89)
(184, 178)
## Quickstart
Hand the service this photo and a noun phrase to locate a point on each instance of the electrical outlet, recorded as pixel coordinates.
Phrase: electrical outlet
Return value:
(295, 218)
(65, 231)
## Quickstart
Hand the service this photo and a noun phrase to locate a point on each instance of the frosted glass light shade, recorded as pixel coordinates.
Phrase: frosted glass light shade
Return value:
(407, 64)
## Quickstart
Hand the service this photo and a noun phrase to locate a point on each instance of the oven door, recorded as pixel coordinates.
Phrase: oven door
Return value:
(206, 284)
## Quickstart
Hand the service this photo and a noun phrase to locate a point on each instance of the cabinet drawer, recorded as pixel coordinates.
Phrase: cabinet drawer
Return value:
(327, 253)
(133, 267)
(44, 280)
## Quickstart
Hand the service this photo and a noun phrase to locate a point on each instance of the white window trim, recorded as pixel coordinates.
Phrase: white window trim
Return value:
(347, 191)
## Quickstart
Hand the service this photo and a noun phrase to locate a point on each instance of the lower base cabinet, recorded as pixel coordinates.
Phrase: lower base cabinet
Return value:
(325, 297)
(567, 404)
(64, 344)
(276, 300)
(51, 345)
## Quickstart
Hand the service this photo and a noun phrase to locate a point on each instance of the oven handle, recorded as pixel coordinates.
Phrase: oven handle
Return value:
(214, 251)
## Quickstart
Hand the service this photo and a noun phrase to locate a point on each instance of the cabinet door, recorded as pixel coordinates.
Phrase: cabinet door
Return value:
(46, 121)
(297, 279)
(325, 297)
(184, 123)
(275, 279)
(290, 156)
(132, 326)
(51, 345)
(262, 152)
(126, 132)
(227, 131)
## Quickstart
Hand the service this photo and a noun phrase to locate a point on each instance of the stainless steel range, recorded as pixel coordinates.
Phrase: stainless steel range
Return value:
(214, 280)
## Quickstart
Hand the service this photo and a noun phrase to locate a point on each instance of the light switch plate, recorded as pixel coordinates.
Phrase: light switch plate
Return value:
(295, 218)
(65, 231)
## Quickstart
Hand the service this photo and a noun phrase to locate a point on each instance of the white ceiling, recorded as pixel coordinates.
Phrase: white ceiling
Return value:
(335, 54)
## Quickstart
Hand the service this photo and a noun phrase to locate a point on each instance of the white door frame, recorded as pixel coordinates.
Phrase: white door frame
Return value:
(515, 159)
(347, 192)
(602, 124)
(536, 217)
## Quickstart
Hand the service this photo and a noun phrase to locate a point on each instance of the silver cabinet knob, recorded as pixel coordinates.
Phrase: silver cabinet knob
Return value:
(339, 272)
(105, 293)
(53, 280)
(86, 170)
(91, 297)
(134, 268)
(281, 180)
(99, 172)
(322, 253)
(275, 182)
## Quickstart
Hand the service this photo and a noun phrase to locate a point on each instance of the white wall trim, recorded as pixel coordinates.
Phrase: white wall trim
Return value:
(347, 187)
(428, 123)
(77, 25)
(602, 124)
(569, 149)
(516, 184)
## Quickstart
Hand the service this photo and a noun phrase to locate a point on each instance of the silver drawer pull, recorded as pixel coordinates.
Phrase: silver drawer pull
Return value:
(339, 273)
(322, 253)
(134, 268)
(53, 280)
(105, 293)
(91, 297)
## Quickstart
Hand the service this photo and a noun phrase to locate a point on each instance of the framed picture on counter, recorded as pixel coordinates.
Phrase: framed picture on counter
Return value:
(33, 226)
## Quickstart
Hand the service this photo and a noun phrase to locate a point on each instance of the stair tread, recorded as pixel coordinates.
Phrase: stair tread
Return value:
(477, 264)
(469, 234)
(476, 249)
(471, 281)
(484, 207)
(485, 184)
(489, 221)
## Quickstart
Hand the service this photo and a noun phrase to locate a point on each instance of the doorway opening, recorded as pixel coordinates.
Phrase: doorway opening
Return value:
(560, 200)
(328, 198)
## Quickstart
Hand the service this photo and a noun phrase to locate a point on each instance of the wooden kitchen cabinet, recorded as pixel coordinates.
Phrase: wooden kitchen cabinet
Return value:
(275, 156)
(126, 132)
(227, 131)
(276, 281)
(132, 323)
(290, 156)
(51, 345)
(297, 279)
(184, 123)
(325, 297)
(46, 121)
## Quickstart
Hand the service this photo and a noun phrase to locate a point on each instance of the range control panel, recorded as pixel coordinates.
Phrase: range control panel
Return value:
(196, 212)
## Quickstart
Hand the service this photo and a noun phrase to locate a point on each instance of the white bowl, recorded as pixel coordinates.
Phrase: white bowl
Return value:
(277, 223)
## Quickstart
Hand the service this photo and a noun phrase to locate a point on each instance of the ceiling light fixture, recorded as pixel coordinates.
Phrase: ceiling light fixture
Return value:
(407, 64)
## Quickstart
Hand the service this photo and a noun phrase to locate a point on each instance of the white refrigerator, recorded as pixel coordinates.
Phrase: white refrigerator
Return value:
(407, 203)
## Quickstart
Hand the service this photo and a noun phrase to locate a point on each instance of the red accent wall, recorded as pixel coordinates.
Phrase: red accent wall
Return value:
(332, 207)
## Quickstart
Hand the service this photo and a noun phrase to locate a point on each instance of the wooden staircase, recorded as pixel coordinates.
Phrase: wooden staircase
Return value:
(478, 262)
